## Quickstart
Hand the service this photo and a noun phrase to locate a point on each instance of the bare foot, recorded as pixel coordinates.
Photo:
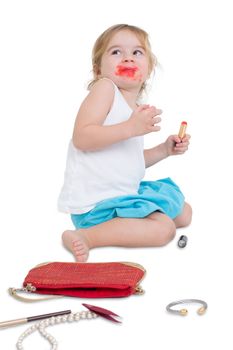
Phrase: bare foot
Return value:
(77, 244)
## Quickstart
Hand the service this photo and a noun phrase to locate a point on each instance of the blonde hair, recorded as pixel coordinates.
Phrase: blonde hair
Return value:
(102, 43)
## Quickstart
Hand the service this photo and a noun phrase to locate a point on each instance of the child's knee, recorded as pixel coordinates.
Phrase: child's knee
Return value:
(189, 214)
(185, 218)
(168, 232)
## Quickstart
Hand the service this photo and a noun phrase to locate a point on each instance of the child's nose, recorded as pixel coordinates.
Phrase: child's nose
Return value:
(128, 58)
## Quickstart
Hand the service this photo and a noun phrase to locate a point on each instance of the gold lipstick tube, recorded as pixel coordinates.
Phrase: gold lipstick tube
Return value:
(182, 131)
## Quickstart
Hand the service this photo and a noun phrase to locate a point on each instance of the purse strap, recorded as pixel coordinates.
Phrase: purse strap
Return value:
(15, 293)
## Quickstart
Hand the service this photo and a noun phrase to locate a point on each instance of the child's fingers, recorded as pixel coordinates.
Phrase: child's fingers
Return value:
(182, 143)
(181, 147)
(186, 138)
(155, 120)
(158, 111)
(175, 138)
(178, 140)
(155, 128)
(142, 107)
(154, 111)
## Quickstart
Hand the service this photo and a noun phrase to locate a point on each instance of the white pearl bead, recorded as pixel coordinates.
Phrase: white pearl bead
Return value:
(64, 318)
(52, 321)
(58, 319)
(70, 318)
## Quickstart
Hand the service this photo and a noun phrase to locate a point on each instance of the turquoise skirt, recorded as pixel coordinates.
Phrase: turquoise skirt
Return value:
(161, 195)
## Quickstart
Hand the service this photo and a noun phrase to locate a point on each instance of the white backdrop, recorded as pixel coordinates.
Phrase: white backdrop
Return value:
(45, 66)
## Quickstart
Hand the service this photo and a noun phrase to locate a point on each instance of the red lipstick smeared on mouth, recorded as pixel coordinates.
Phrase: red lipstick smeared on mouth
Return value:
(126, 71)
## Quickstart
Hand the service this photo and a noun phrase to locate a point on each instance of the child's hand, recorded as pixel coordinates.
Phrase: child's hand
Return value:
(174, 145)
(143, 120)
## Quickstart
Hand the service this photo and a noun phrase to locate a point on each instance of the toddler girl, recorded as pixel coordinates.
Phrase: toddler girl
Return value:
(103, 190)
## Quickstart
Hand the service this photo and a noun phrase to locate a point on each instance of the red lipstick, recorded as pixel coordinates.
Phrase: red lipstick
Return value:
(126, 71)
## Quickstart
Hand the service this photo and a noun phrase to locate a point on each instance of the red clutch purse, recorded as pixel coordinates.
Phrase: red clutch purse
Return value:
(85, 280)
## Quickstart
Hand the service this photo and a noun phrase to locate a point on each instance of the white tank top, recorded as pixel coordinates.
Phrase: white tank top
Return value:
(93, 176)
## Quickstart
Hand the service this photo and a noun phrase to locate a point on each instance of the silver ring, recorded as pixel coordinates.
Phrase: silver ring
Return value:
(184, 312)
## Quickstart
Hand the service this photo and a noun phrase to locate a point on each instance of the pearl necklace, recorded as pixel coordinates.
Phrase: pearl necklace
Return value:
(40, 327)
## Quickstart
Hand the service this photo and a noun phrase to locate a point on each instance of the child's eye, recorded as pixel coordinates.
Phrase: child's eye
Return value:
(116, 52)
(138, 52)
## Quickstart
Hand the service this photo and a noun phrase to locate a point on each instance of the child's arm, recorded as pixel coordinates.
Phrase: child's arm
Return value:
(89, 132)
(172, 146)
(155, 154)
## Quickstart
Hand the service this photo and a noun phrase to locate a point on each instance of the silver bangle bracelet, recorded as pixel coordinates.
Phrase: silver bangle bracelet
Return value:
(183, 312)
